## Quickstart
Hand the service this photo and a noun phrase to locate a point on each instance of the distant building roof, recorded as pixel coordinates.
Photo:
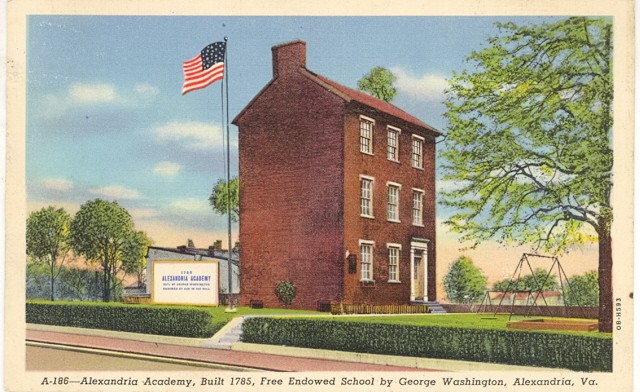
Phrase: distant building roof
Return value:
(523, 295)
(210, 252)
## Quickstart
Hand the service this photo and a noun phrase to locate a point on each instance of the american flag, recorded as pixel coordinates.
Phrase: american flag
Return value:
(204, 69)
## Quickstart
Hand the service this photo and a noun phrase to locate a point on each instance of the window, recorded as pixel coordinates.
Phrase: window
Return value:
(417, 209)
(393, 202)
(366, 135)
(393, 136)
(366, 196)
(366, 260)
(416, 152)
(394, 262)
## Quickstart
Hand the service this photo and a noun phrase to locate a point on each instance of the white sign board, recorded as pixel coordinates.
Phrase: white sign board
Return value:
(185, 282)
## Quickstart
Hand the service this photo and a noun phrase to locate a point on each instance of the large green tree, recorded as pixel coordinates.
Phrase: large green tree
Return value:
(102, 232)
(220, 199)
(528, 145)
(464, 283)
(379, 83)
(47, 240)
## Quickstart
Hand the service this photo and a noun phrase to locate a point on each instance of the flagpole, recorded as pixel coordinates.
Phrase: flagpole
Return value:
(230, 307)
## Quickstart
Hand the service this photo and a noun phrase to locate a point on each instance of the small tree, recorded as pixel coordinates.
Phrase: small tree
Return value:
(379, 83)
(286, 292)
(48, 240)
(219, 199)
(583, 290)
(464, 283)
(134, 259)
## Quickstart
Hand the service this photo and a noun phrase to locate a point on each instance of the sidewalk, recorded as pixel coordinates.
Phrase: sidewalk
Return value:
(255, 356)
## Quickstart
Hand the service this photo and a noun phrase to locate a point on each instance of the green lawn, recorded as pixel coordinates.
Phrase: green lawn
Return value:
(459, 320)
(219, 312)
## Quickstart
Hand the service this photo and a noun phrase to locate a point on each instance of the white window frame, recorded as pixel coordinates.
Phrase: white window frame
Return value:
(390, 204)
(366, 211)
(394, 262)
(366, 147)
(417, 154)
(393, 155)
(366, 260)
(417, 219)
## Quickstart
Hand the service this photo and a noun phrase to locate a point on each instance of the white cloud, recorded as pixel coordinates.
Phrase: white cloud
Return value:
(167, 169)
(92, 93)
(191, 135)
(57, 184)
(116, 192)
(428, 88)
(143, 213)
(146, 89)
(191, 205)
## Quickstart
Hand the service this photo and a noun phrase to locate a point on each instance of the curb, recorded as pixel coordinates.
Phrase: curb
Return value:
(387, 360)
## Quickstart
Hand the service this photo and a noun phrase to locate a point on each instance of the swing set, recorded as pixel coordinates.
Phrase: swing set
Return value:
(535, 299)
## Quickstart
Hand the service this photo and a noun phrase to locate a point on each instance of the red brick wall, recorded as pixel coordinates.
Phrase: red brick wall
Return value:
(379, 229)
(291, 193)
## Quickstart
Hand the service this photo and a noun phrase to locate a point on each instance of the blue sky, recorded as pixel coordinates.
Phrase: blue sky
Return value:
(106, 119)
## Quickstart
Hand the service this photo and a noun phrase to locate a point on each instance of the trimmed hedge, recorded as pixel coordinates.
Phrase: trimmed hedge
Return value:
(155, 320)
(575, 352)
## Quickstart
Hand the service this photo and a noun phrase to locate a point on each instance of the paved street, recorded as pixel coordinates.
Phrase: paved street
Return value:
(61, 358)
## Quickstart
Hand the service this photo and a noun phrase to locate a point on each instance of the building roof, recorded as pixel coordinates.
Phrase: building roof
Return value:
(350, 94)
(298, 64)
(213, 253)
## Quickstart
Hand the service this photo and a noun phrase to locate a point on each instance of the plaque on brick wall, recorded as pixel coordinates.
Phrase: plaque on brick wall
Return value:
(351, 259)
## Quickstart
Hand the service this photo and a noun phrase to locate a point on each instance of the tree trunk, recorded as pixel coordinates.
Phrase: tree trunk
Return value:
(605, 265)
(52, 281)
(106, 289)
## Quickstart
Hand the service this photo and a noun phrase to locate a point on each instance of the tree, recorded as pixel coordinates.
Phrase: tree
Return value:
(219, 199)
(134, 258)
(47, 240)
(101, 231)
(528, 142)
(582, 290)
(379, 83)
(464, 283)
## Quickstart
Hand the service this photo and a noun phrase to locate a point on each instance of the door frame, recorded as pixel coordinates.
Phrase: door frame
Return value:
(423, 246)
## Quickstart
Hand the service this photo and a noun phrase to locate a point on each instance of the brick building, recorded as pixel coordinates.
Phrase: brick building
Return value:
(337, 193)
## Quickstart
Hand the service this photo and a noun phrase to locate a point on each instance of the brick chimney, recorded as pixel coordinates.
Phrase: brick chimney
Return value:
(288, 57)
